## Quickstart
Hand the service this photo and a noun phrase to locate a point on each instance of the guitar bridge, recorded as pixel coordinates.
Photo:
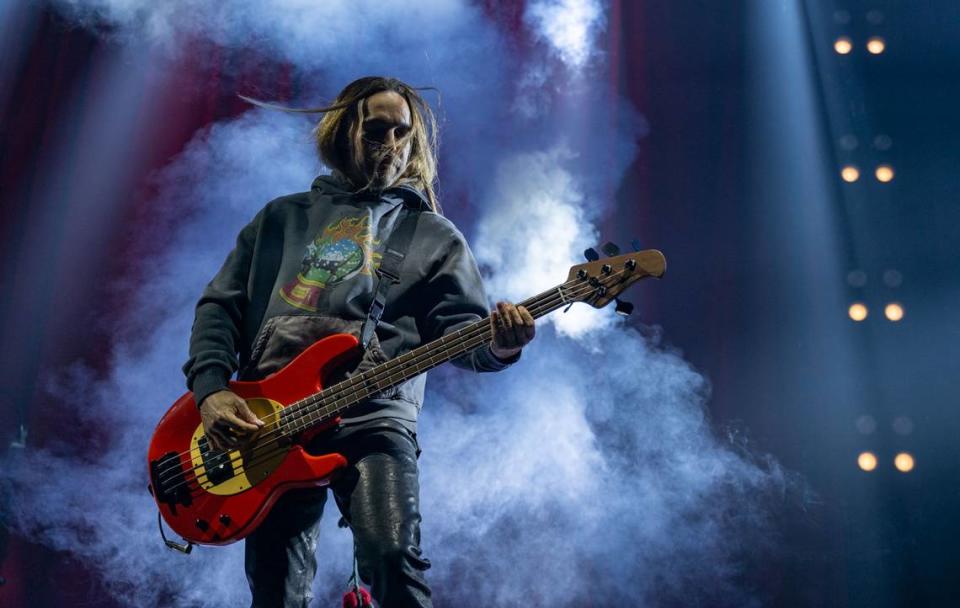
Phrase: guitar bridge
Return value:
(168, 481)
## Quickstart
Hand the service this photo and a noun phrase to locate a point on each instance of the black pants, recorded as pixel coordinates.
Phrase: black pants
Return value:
(379, 496)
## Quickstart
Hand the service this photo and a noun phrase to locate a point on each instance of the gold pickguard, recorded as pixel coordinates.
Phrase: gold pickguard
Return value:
(252, 462)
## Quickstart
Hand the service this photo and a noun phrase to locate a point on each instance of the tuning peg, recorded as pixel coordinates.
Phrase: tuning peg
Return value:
(591, 254)
(623, 307)
(635, 243)
(611, 249)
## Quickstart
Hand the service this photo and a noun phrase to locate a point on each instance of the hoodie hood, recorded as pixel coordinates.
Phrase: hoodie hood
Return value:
(337, 185)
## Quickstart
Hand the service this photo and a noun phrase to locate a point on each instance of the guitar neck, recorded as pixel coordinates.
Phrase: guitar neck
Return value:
(336, 399)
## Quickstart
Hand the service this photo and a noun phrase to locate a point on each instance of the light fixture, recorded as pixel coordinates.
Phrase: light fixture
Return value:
(876, 45)
(884, 173)
(843, 45)
(904, 462)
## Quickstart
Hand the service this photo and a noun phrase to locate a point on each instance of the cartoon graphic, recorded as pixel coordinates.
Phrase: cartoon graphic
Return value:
(341, 251)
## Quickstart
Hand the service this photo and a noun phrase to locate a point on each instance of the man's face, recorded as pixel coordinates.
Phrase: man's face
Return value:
(386, 139)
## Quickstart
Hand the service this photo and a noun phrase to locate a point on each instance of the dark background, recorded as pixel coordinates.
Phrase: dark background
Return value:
(752, 300)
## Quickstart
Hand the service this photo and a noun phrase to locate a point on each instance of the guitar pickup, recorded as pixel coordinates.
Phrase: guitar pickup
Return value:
(217, 464)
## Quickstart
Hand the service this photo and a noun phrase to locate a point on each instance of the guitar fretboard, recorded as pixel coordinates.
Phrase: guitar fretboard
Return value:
(336, 399)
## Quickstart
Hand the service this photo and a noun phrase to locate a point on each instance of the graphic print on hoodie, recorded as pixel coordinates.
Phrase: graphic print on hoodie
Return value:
(341, 251)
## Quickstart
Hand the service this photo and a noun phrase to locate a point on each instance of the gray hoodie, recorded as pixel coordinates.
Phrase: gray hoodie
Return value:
(304, 268)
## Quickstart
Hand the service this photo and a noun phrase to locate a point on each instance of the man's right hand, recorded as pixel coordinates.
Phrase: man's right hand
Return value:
(227, 420)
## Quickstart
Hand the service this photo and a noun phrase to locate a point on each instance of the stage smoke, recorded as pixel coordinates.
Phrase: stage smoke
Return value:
(587, 472)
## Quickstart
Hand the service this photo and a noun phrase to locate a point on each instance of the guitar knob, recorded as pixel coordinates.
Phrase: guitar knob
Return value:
(225, 519)
(202, 525)
(611, 249)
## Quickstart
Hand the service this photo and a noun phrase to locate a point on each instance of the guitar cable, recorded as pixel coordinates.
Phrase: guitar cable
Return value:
(184, 548)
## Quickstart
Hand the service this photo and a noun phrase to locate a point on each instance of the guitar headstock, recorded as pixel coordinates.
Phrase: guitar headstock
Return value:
(599, 281)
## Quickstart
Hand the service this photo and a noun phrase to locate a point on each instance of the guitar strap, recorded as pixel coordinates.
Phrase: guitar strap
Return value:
(390, 264)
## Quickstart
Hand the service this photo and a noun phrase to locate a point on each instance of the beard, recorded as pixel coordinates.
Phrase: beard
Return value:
(378, 166)
(382, 174)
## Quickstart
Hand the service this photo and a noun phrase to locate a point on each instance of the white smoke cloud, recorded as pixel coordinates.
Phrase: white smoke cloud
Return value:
(448, 44)
(100, 510)
(586, 471)
(312, 34)
(568, 30)
(534, 196)
(569, 27)
(567, 485)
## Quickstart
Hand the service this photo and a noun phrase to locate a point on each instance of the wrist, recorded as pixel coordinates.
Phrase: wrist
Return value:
(504, 354)
(209, 381)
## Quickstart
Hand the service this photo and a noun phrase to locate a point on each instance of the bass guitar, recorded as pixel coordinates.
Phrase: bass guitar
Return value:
(216, 497)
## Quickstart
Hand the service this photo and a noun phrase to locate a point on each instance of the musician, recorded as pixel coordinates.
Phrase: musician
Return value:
(306, 267)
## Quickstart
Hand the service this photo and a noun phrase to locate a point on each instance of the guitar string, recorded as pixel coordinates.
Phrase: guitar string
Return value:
(199, 490)
(471, 342)
(267, 454)
(480, 330)
(340, 387)
(483, 334)
(264, 450)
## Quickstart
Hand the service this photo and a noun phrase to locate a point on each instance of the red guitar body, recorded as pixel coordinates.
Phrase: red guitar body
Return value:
(213, 497)
(209, 507)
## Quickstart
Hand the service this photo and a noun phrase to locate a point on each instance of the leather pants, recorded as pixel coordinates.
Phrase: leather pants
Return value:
(378, 495)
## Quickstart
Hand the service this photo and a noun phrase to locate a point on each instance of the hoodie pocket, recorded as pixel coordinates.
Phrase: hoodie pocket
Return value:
(283, 337)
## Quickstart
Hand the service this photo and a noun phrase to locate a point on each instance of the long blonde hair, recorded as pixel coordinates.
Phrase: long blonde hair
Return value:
(338, 135)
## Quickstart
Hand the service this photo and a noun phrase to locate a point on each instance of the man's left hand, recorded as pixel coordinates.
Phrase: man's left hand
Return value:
(513, 327)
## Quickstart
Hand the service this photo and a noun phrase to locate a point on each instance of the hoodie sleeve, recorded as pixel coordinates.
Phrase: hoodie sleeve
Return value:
(458, 298)
(214, 338)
